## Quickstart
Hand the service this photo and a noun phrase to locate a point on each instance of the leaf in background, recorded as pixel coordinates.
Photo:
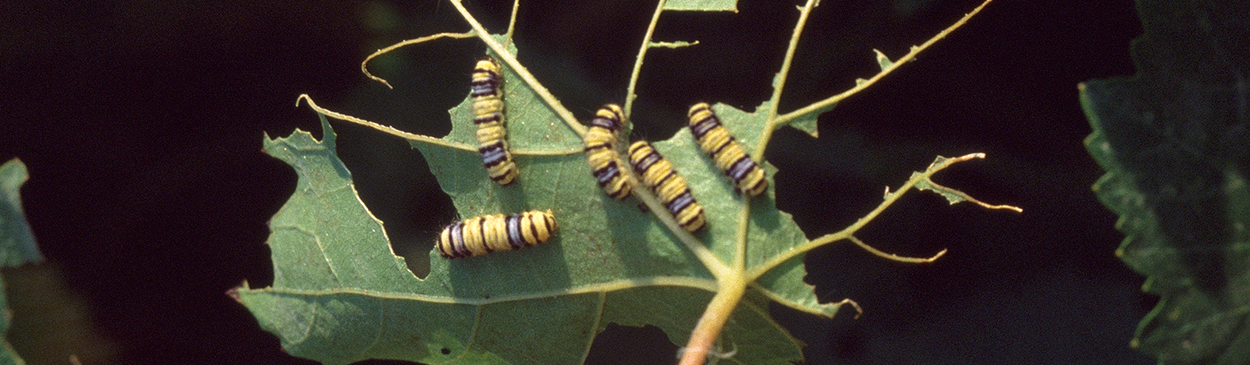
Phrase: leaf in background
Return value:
(1175, 141)
(17, 245)
(701, 5)
(49, 323)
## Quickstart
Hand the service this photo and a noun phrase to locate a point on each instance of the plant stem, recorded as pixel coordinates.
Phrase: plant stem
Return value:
(718, 311)
(775, 100)
(642, 53)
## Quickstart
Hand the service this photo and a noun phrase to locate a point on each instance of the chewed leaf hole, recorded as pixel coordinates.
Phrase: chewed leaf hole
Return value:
(631, 345)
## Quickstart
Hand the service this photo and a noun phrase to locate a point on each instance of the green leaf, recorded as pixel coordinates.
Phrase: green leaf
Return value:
(784, 285)
(336, 278)
(17, 244)
(702, 5)
(1175, 141)
(340, 295)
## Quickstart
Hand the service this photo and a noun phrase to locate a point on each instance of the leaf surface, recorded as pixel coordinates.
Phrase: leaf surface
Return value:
(1175, 141)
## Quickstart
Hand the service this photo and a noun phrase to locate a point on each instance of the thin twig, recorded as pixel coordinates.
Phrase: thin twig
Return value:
(890, 199)
(642, 53)
(512, 23)
(893, 257)
(775, 100)
(864, 84)
(405, 43)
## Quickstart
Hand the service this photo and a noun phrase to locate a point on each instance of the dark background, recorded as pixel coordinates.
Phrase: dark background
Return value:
(141, 124)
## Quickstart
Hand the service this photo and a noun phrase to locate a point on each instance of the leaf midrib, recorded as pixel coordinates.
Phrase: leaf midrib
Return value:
(708, 285)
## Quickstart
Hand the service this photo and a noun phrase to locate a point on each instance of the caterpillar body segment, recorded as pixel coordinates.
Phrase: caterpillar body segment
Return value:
(658, 174)
(601, 153)
(725, 151)
(488, 116)
(493, 233)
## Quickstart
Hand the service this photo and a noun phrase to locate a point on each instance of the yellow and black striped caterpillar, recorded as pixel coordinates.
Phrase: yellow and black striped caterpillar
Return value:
(658, 174)
(602, 155)
(715, 140)
(482, 235)
(488, 115)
